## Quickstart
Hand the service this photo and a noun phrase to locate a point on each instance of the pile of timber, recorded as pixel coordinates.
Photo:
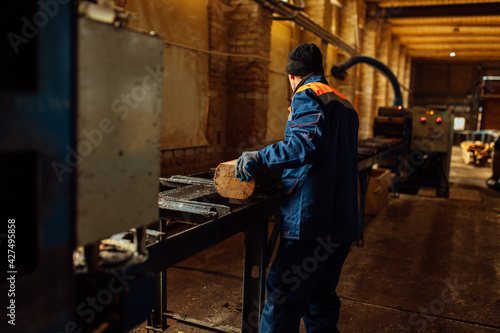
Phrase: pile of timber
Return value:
(477, 152)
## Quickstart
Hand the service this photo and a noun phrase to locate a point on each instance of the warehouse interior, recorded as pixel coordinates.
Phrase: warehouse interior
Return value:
(114, 116)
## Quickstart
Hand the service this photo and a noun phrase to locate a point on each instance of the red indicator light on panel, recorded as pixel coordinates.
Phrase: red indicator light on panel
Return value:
(439, 120)
(423, 120)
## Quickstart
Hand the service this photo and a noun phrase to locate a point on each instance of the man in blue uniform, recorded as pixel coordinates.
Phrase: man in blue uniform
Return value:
(319, 207)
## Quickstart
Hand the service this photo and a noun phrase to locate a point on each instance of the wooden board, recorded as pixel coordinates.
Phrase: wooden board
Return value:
(465, 194)
(228, 186)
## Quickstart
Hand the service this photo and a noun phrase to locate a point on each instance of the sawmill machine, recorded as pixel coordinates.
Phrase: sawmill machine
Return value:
(427, 131)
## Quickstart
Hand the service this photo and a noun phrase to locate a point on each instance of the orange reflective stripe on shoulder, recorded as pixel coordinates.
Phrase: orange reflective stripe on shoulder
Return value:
(326, 94)
(320, 89)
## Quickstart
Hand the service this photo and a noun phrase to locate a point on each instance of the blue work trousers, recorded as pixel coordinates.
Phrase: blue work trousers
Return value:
(301, 284)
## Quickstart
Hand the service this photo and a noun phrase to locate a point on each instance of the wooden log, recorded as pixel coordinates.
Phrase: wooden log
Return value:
(229, 186)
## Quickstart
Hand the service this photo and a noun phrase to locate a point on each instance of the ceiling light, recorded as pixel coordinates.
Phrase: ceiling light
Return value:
(452, 54)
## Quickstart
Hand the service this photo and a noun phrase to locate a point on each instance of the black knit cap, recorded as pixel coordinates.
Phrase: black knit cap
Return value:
(305, 59)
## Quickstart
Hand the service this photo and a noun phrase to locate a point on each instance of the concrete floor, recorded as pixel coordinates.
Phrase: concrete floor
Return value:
(427, 265)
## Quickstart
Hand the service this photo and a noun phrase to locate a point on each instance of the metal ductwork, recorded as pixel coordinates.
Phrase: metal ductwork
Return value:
(339, 72)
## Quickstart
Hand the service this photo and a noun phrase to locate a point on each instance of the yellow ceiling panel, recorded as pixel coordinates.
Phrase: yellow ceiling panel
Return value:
(447, 20)
(460, 55)
(445, 30)
(417, 3)
(454, 46)
(410, 40)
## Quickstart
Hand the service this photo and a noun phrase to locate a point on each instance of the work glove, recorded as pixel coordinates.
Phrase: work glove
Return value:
(244, 169)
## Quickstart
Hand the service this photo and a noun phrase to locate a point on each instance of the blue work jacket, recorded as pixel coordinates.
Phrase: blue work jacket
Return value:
(319, 158)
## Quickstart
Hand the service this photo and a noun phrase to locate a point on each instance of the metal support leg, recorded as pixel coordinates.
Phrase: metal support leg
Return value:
(140, 240)
(398, 169)
(254, 277)
(92, 257)
(157, 322)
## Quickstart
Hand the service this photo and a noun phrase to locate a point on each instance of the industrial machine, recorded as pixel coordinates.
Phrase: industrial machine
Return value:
(80, 159)
(392, 122)
(391, 129)
(432, 129)
(428, 162)
(428, 129)
(116, 166)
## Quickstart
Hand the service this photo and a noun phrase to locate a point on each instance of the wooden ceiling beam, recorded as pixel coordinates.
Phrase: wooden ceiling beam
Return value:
(406, 39)
(485, 54)
(465, 9)
(425, 3)
(451, 20)
(454, 46)
(431, 29)
(481, 9)
(446, 30)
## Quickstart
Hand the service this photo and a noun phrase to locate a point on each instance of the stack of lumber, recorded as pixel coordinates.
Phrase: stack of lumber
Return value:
(477, 152)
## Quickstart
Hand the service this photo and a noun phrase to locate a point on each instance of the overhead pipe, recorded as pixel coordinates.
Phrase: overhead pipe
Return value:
(300, 6)
(294, 13)
(287, 18)
(339, 72)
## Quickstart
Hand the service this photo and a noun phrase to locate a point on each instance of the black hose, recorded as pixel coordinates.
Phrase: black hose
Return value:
(339, 72)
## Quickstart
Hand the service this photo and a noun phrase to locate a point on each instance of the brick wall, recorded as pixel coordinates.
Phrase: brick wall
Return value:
(347, 27)
(383, 54)
(187, 161)
(192, 160)
(393, 64)
(320, 12)
(236, 114)
(248, 78)
(367, 88)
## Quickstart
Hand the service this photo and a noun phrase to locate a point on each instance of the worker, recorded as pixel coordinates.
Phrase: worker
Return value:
(319, 207)
(494, 181)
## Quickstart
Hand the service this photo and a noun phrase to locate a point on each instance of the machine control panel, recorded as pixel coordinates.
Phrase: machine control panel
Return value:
(431, 129)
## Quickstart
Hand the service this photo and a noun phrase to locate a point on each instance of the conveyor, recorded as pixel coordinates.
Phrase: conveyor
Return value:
(193, 218)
